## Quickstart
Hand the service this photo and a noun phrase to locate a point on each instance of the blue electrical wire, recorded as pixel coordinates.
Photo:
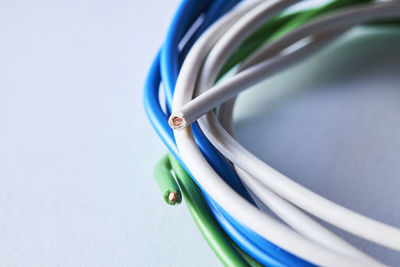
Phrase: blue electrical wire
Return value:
(259, 248)
(188, 12)
(169, 74)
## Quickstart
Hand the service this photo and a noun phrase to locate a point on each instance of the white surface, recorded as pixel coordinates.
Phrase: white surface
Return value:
(76, 186)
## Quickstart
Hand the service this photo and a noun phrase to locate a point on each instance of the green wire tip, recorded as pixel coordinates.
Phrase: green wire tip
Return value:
(166, 182)
(173, 197)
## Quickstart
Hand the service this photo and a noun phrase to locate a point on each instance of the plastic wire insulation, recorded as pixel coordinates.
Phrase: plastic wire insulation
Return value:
(170, 65)
(257, 247)
(242, 29)
(260, 249)
(372, 230)
(284, 209)
(297, 21)
(222, 92)
(158, 118)
(233, 203)
(249, 215)
(204, 220)
(301, 222)
(284, 23)
(278, 26)
(255, 40)
(217, 7)
(314, 13)
(166, 182)
(187, 13)
(221, 50)
(209, 229)
(252, 262)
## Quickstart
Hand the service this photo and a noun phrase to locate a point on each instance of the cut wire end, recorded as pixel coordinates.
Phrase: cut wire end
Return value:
(173, 197)
(166, 182)
(177, 121)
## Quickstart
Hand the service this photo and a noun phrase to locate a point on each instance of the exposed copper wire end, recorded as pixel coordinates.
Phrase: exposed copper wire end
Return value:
(177, 121)
(173, 197)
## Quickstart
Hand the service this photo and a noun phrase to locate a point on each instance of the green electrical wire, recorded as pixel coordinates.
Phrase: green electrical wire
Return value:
(204, 220)
(308, 15)
(284, 23)
(224, 248)
(166, 182)
(254, 41)
(252, 262)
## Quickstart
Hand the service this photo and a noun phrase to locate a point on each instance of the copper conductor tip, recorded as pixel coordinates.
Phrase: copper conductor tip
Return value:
(172, 197)
(177, 121)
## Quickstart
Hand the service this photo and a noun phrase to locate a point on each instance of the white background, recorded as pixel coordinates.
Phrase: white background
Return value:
(77, 152)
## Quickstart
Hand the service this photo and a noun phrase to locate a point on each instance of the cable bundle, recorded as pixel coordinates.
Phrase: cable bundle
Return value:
(213, 51)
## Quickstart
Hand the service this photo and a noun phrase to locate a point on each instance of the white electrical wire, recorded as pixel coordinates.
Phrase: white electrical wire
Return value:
(329, 211)
(243, 211)
(225, 90)
(286, 211)
(224, 195)
(239, 31)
